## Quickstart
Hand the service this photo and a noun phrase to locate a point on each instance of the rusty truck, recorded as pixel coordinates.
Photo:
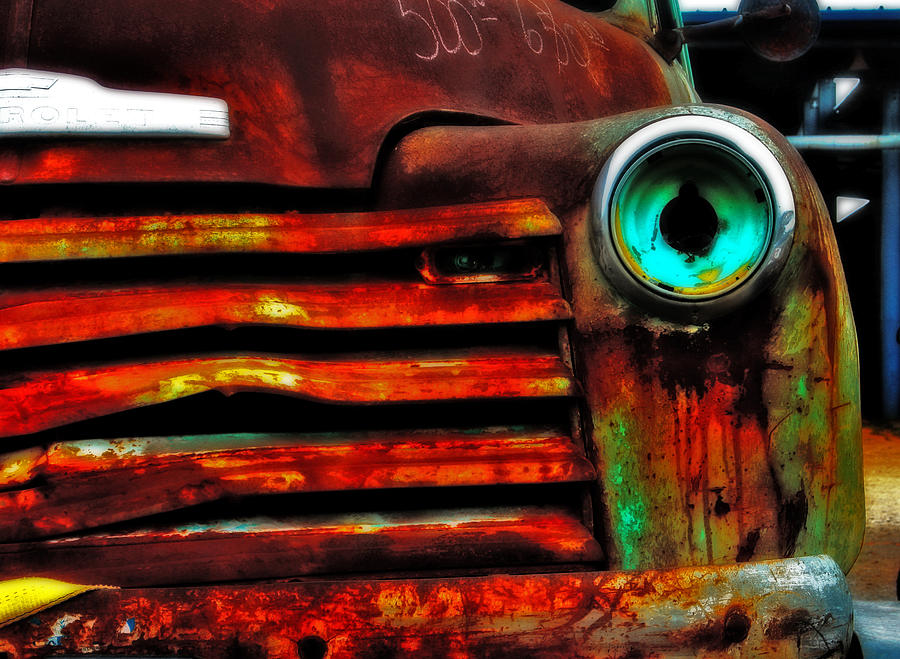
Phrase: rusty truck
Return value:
(433, 328)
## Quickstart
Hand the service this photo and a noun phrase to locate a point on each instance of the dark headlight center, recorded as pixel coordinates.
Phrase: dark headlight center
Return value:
(688, 223)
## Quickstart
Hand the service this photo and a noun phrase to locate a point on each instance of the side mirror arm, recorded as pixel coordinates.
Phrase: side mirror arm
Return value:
(670, 42)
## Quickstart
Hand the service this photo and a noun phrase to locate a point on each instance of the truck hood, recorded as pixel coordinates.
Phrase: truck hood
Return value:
(315, 88)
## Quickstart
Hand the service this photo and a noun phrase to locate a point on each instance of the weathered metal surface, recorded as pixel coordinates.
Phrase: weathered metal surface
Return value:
(267, 548)
(37, 401)
(557, 163)
(52, 239)
(731, 441)
(301, 78)
(78, 485)
(791, 608)
(15, 32)
(48, 317)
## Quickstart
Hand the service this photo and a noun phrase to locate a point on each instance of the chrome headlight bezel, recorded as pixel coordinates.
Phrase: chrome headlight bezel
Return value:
(727, 140)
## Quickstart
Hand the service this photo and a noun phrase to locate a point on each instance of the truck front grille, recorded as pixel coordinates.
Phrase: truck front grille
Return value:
(382, 415)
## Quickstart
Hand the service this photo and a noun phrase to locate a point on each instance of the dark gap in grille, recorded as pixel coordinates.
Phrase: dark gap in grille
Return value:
(362, 267)
(370, 267)
(213, 413)
(366, 574)
(105, 199)
(434, 573)
(274, 342)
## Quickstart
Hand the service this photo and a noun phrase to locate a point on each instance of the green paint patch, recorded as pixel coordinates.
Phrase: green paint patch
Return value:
(632, 523)
(629, 499)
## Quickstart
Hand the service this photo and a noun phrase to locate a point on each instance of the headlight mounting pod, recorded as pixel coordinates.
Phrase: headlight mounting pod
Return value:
(692, 216)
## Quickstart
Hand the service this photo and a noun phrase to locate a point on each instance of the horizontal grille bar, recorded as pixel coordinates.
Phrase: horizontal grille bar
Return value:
(92, 483)
(53, 239)
(35, 318)
(269, 549)
(37, 401)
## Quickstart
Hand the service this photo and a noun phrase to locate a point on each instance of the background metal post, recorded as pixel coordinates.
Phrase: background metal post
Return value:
(890, 261)
(811, 113)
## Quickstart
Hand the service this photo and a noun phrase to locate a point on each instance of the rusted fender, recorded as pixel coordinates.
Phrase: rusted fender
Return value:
(53, 239)
(63, 315)
(38, 401)
(78, 485)
(788, 608)
(758, 454)
(269, 548)
(731, 441)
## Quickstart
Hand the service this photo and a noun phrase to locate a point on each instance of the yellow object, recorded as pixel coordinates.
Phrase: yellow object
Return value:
(20, 598)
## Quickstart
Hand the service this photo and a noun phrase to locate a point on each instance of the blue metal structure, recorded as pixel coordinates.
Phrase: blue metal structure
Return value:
(890, 260)
(694, 17)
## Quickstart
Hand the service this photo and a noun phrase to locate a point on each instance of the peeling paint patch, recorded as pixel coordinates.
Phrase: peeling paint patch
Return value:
(56, 629)
(127, 626)
(272, 307)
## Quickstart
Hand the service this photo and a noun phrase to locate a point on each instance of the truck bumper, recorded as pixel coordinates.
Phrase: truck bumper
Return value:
(785, 608)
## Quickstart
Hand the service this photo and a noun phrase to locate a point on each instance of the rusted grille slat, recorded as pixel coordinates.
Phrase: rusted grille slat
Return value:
(96, 482)
(37, 401)
(266, 548)
(53, 239)
(30, 319)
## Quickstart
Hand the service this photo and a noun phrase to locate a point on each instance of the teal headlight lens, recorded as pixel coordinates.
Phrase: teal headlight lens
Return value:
(692, 218)
(692, 215)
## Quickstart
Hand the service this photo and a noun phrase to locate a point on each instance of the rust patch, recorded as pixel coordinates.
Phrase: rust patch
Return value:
(792, 515)
(719, 634)
(748, 546)
(721, 507)
(793, 623)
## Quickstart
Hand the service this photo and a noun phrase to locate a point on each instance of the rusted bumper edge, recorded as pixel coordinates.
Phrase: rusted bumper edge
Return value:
(786, 608)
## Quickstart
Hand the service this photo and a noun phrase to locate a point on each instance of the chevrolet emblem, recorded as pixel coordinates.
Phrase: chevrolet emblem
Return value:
(44, 104)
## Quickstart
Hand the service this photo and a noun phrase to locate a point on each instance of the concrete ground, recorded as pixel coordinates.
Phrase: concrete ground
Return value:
(873, 579)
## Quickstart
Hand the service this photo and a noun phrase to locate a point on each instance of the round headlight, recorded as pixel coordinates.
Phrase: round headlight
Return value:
(692, 215)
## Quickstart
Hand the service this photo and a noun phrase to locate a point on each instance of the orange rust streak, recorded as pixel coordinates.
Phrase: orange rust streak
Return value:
(42, 318)
(50, 239)
(38, 401)
(260, 549)
(99, 485)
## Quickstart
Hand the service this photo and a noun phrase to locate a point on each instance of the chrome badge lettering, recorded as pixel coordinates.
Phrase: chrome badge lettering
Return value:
(44, 104)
